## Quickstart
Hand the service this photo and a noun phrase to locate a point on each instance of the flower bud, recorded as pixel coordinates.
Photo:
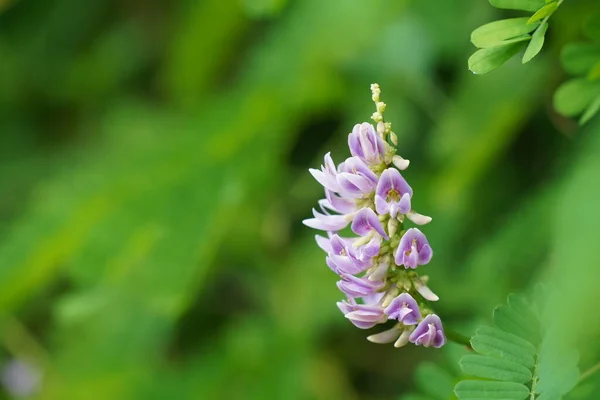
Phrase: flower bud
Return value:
(424, 290)
(384, 337)
(400, 162)
(392, 226)
(417, 218)
(403, 339)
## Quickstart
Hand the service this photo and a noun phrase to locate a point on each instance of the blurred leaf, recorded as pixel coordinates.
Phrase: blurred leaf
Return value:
(495, 33)
(525, 5)
(543, 12)
(477, 390)
(592, 27)
(573, 96)
(557, 369)
(536, 43)
(413, 396)
(203, 44)
(594, 73)
(578, 58)
(486, 60)
(434, 381)
(575, 223)
(590, 111)
(264, 8)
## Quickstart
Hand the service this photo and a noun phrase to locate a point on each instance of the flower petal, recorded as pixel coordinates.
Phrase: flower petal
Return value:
(366, 221)
(389, 336)
(323, 243)
(404, 204)
(340, 204)
(381, 206)
(323, 222)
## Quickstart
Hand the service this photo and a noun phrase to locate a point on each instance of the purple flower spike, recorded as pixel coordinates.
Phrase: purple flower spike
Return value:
(327, 176)
(366, 144)
(413, 250)
(405, 309)
(326, 222)
(429, 332)
(362, 316)
(366, 221)
(358, 287)
(392, 194)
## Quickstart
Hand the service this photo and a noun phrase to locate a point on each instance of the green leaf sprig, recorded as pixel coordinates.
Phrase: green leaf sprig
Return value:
(581, 94)
(499, 41)
(516, 360)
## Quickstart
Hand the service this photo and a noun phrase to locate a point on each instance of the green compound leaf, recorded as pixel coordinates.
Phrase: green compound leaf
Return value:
(524, 5)
(504, 346)
(514, 361)
(574, 96)
(495, 33)
(536, 43)
(579, 58)
(493, 368)
(543, 12)
(478, 390)
(486, 60)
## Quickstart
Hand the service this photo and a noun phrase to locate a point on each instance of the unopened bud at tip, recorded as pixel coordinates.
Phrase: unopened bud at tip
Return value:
(380, 272)
(400, 162)
(417, 218)
(427, 293)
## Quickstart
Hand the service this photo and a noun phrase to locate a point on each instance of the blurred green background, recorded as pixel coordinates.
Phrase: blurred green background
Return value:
(153, 177)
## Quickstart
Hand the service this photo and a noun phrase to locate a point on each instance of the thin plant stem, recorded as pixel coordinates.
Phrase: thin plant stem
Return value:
(456, 337)
(589, 372)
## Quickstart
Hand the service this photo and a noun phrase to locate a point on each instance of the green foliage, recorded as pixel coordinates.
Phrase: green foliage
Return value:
(498, 42)
(581, 95)
(153, 176)
(514, 360)
(486, 60)
(499, 34)
(524, 5)
(435, 381)
(475, 390)
(494, 368)
(536, 44)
